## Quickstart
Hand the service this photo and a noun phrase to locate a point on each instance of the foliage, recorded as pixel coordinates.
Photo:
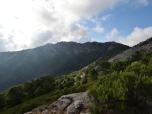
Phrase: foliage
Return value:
(88, 69)
(78, 83)
(14, 96)
(2, 101)
(117, 66)
(78, 78)
(104, 66)
(136, 56)
(146, 59)
(84, 80)
(45, 99)
(39, 91)
(92, 75)
(123, 92)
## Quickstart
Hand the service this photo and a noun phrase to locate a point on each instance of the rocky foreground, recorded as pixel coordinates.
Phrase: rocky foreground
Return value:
(76, 103)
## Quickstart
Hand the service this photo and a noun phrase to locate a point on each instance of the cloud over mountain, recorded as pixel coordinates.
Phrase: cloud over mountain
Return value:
(32, 23)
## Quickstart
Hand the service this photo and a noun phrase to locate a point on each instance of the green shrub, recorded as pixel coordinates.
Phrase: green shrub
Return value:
(136, 56)
(84, 80)
(78, 83)
(117, 66)
(147, 58)
(135, 66)
(123, 92)
(92, 75)
(104, 66)
(78, 78)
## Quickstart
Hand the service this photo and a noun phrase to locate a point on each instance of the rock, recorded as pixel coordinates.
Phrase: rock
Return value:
(39, 110)
(63, 103)
(45, 111)
(67, 104)
(78, 103)
(131, 51)
(85, 99)
(66, 100)
(28, 113)
(71, 109)
(85, 113)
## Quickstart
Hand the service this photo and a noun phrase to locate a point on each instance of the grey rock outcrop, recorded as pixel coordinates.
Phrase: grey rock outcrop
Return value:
(76, 103)
(144, 49)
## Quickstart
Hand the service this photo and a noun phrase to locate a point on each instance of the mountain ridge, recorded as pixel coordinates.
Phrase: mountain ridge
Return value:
(55, 59)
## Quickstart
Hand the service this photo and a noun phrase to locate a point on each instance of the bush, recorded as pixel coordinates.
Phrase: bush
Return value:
(78, 83)
(117, 66)
(135, 57)
(84, 80)
(124, 92)
(78, 78)
(2, 100)
(92, 75)
(104, 66)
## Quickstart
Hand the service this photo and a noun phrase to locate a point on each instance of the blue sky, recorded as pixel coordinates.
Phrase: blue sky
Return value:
(31, 23)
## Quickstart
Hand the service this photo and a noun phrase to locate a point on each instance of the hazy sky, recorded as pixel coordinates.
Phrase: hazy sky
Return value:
(31, 23)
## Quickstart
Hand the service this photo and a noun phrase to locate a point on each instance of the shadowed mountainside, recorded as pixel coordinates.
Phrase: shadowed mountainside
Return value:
(55, 59)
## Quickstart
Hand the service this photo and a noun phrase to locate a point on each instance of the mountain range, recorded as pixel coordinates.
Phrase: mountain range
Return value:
(56, 59)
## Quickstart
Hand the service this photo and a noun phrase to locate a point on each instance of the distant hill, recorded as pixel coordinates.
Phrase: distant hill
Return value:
(55, 59)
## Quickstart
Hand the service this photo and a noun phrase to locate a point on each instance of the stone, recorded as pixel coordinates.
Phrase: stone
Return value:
(45, 111)
(78, 103)
(130, 52)
(70, 104)
(85, 99)
(71, 109)
(66, 100)
(85, 113)
(63, 103)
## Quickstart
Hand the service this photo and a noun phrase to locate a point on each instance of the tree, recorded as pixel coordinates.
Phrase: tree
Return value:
(84, 80)
(104, 66)
(78, 83)
(39, 91)
(135, 57)
(92, 75)
(78, 78)
(14, 96)
(2, 100)
(117, 66)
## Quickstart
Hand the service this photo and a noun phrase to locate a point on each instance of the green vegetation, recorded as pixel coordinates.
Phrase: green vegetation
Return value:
(92, 74)
(45, 99)
(126, 90)
(104, 66)
(123, 88)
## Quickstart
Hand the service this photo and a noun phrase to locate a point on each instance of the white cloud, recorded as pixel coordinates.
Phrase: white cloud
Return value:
(24, 22)
(104, 18)
(136, 36)
(138, 3)
(143, 2)
(112, 34)
(99, 29)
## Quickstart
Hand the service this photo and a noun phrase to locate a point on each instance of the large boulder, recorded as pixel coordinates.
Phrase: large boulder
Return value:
(76, 103)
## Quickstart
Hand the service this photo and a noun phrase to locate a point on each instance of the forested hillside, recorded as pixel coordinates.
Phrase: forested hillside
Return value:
(55, 59)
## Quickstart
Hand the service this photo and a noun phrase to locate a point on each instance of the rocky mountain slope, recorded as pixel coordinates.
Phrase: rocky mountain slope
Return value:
(143, 47)
(55, 59)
